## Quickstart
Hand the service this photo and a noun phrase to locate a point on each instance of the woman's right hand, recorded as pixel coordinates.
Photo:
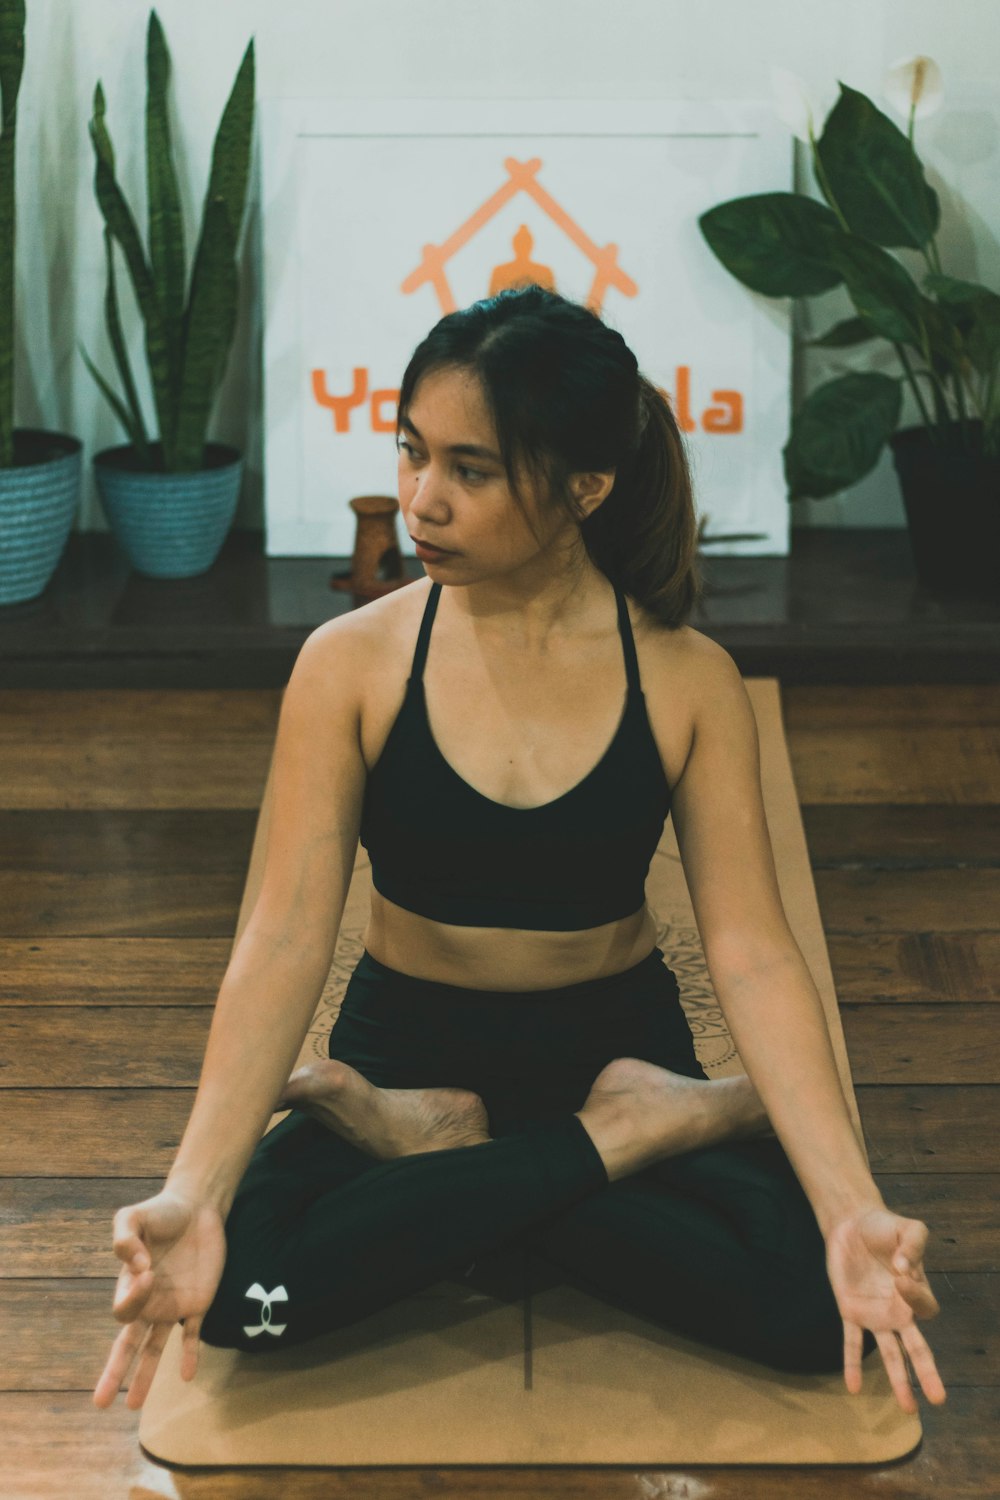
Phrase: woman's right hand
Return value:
(174, 1250)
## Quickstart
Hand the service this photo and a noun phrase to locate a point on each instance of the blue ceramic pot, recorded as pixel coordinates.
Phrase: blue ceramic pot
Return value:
(39, 496)
(170, 525)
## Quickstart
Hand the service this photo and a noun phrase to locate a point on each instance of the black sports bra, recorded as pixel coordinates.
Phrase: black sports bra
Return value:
(443, 850)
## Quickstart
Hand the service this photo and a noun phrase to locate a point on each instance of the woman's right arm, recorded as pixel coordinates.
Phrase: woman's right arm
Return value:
(281, 960)
(172, 1246)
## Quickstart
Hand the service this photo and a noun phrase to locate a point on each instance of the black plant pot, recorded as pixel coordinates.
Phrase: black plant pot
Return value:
(952, 498)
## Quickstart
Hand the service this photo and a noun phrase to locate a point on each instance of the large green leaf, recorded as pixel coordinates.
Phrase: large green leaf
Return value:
(884, 294)
(974, 311)
(136, 427)
(227, 180)
(843, 335)
(166, 223)
(775, 243)
(118, 218)
(124, 416)
(12, 17)
(11, 69)
(838, 433)
(874, 174)
(208, 332)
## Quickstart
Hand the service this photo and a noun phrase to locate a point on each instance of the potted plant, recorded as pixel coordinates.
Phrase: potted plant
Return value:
(945, 331)
(171, 502)
(39, 470)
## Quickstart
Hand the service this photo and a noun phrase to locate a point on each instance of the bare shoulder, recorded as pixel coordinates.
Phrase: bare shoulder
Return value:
(358, 640)
(700, 665)
(690, 683)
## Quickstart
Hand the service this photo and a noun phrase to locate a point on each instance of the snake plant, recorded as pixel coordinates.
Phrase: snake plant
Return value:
(11, 68)
(187, 344)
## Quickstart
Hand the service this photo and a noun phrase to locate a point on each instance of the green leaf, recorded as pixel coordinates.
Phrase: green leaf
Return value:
(231, 152)
(838, 433)
(210, 317)
(118, 218)
(136, 426)
(974, 311)
(208, 333)
(166, 223)
(775, 243)
(843, 335)
(875, 175)
(119, 410)
(12, 16)
(884, 294)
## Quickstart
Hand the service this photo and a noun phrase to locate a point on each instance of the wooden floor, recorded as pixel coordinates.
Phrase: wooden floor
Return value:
(126, 823)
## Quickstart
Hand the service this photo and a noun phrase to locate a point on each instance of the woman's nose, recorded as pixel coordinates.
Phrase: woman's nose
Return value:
(426, 499)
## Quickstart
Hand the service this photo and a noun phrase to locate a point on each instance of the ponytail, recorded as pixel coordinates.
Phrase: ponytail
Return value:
(645, 534)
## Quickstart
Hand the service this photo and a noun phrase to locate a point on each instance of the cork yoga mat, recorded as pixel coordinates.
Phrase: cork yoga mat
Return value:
(527, 1370)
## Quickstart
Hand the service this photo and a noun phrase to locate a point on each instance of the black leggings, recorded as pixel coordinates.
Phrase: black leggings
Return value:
(719, 1244)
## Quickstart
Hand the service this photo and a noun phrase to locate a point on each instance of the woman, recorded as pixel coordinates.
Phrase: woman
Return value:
(511, 1063)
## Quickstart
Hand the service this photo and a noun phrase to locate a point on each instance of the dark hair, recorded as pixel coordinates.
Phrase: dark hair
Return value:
(566, 396)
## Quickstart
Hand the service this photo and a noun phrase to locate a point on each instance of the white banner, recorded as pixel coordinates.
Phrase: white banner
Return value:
(380, 217)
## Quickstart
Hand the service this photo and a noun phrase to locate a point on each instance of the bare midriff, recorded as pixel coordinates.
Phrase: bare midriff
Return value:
(503, 958)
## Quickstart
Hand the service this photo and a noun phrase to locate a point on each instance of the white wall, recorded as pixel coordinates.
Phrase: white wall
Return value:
(450, 49)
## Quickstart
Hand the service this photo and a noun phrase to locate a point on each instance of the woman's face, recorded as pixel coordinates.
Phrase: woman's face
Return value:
(461, 500)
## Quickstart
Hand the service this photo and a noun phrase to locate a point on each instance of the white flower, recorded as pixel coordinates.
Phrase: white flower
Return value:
(800, 108)
(914, 81)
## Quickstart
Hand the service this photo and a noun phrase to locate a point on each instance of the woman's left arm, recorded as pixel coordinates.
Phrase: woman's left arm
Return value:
(777, 1021)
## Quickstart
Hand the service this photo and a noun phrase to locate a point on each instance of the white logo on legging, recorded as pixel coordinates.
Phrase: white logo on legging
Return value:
(266, 1298)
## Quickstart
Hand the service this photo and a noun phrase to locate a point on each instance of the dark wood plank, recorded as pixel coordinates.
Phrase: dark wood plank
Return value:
(103, 1046)
(883, 967)
(61, 1226)
(959, 1209)
(927, 1043)
(159, 902)
(889, 763)
(51, 1436)
(905, 836)
(144, 750)
(932, 1128)
(173, 873)
(140, 971)
(164, 1045)
(124, 905)
(85, 1132)
(831, 706)
(915, 967)
(862, 901)
(185, 716)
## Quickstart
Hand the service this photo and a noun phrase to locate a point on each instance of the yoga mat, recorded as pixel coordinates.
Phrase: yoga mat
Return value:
(524, 1369)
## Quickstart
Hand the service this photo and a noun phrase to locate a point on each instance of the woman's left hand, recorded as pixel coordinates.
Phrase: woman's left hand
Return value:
(874, 1262)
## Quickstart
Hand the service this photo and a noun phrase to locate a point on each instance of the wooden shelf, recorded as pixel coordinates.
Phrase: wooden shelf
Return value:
(844, 607)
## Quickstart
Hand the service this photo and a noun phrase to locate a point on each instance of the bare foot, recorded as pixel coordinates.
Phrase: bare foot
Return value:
(637, 1113)
(385, 1122)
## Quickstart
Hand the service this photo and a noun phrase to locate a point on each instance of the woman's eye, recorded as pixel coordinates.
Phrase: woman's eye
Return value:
(470, 474)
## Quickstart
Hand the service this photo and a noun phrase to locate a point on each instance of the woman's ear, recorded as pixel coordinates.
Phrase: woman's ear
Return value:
(590, 489)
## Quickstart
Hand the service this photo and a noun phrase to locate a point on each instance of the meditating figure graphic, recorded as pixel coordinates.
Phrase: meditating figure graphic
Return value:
(522, 270)
(511, 1065)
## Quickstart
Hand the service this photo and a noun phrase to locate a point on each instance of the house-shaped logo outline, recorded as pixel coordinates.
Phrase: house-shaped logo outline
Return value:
(522, 178)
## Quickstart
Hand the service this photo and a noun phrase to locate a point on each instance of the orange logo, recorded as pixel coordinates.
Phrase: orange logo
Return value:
(725, 416)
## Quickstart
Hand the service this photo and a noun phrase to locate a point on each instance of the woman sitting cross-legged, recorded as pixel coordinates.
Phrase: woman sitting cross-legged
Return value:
(511, 1064)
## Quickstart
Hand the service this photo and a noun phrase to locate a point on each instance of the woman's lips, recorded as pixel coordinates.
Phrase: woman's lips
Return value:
(430, 547)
